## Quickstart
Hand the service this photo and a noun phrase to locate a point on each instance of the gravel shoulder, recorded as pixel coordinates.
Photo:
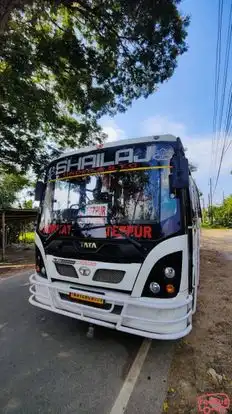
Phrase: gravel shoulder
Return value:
(209, 345)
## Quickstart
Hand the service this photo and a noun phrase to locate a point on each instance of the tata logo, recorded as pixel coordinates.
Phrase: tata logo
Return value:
(84, 271)
(88, 245)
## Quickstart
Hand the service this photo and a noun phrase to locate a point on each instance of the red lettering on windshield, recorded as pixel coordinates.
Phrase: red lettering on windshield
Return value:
(139, 232)
(114, 232)
(147, 232)
(130, 230)
(123, 229)
(64, 229)
(108, 231)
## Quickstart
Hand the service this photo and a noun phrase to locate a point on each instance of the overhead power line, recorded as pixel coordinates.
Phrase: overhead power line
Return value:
(222, 115)
(225, 74)
(224, 140)
(217, 79)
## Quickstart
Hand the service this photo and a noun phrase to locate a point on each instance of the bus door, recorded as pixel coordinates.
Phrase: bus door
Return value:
(196, 240)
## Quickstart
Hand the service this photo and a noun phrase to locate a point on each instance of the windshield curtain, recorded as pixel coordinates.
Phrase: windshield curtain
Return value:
(130, 197)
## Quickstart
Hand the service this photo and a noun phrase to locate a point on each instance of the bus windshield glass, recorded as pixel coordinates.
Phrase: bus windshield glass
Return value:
(109, 192)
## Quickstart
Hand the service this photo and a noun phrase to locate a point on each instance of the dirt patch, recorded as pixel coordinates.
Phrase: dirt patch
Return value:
(19, 256)
(203, 360)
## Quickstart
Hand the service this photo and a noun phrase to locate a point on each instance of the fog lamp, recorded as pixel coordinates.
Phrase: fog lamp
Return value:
(154, 287)
(169, 272)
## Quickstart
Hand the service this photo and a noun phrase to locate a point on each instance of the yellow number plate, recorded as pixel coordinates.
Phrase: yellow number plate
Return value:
(86, 298)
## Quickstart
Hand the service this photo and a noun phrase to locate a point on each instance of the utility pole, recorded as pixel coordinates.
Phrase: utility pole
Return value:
(209, 209)
(203, 209)
(3, 237)
(211, 201)
(203, 202)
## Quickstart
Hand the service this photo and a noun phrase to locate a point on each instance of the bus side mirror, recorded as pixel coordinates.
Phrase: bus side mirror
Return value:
(39, 190)
(179, 174)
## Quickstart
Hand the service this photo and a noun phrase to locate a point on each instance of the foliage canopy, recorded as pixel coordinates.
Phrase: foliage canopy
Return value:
(10, 185)
(223, 214)
(65, 64)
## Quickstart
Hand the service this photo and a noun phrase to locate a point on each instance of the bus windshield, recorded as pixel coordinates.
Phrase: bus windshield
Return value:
(131, 197)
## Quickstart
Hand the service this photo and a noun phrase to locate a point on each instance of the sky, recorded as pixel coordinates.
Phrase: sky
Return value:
(184, 105)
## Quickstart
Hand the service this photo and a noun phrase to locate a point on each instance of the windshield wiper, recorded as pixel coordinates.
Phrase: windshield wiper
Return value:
(87, 227)
(138, 245)
(51, 236)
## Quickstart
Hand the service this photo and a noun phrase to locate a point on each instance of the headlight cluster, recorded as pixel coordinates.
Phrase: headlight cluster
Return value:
(164, 279)
(39, 264)
(169, 272)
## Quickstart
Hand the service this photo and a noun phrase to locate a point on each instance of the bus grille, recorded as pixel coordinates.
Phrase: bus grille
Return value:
(108, 276)
(66, 270)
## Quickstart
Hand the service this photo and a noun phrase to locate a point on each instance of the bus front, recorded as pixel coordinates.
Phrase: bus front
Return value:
(111, 242)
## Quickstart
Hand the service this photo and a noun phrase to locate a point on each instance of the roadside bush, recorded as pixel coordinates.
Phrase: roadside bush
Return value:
(28, 237)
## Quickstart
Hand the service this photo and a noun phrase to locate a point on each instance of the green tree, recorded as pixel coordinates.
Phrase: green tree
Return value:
(223, 214)
(65, 64)
(28, 204)
(10, 185)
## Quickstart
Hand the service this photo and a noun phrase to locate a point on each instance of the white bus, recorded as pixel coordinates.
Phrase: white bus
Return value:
(117, 238)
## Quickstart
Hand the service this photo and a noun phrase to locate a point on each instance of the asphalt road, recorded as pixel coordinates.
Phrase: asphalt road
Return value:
(48, 365)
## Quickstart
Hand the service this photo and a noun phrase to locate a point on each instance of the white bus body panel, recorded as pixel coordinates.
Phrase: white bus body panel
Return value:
(174, 244)
(128, 312)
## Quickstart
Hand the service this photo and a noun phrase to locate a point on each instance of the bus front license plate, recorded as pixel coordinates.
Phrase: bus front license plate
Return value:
(85, 298)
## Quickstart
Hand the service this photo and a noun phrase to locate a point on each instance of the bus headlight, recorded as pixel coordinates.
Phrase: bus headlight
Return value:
(154, 287)
(43, 271)
(164, 279)
(169, 272)
(39, 264)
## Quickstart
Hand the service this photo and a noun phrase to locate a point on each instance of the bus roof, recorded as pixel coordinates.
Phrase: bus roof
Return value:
(151, 138)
